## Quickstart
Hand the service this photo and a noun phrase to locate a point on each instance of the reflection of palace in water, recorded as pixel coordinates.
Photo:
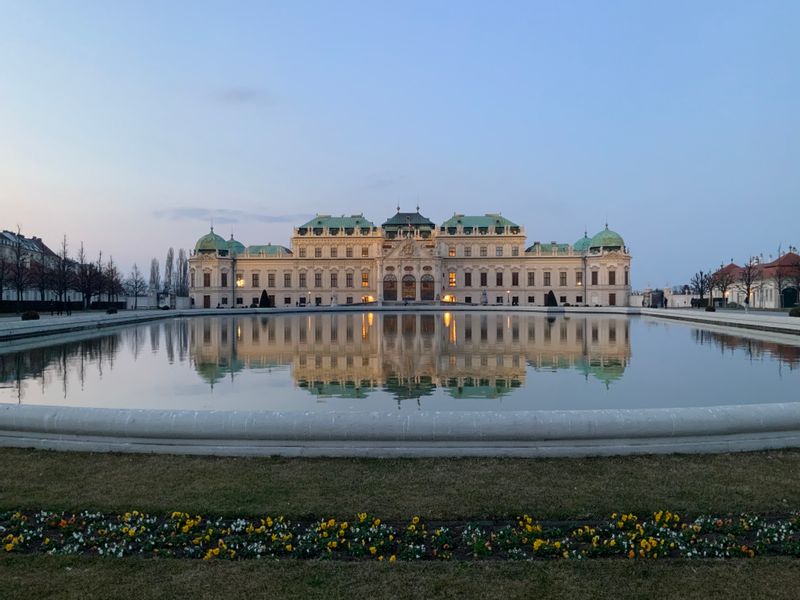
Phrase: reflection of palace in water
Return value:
(410, 354)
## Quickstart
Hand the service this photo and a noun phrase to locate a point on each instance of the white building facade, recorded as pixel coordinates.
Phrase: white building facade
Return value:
(409, 259)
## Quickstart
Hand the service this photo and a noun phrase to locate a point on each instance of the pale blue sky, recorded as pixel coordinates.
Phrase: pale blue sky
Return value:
(126, 124)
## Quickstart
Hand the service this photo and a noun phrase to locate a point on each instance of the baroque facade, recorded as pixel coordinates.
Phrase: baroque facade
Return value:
(409, 259)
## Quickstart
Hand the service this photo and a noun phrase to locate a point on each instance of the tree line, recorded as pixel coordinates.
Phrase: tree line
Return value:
(175, 278)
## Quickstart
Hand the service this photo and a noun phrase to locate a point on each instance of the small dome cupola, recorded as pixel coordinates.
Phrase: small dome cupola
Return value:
(211, 243)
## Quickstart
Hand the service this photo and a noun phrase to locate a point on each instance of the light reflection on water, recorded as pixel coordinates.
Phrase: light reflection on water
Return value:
(406, 361)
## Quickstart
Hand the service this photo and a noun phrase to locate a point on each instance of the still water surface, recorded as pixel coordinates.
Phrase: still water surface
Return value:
(406, 362)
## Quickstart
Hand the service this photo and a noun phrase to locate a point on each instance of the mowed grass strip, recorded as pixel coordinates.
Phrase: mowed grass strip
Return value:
(763, 482)
(76, 578)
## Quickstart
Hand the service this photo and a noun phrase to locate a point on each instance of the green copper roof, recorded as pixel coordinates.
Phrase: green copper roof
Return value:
(211, 242)
(268, 250)
(549, 248)
(235, 247)
(343, 222)
(582, 245)
(487, 220)
(404, 219)
(607, 239)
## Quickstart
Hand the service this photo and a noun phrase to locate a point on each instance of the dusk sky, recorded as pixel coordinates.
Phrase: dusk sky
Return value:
(130, 125)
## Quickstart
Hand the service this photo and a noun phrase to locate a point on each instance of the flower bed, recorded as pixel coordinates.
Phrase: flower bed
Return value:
(660, 535)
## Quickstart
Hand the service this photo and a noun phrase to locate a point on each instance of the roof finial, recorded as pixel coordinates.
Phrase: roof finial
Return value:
(398, 207)
(212, 225)
(417, 206)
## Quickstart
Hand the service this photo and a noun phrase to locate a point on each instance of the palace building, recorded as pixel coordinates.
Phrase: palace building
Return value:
(409, 259)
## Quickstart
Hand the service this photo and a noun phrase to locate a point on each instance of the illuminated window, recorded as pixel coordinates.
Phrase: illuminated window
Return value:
(365, 279)
(451, 251)
(579, 278)
(451, 279)
(365, 251)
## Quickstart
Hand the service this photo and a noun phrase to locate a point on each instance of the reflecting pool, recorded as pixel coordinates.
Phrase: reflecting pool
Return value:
(404, 361)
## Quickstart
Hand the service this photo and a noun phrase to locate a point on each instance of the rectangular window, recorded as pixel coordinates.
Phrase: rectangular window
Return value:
(499, 300)
(594, 277)
(349, 300)
(206, 279)
(562, 279)
(498, 251)
(302, 252)
(318, 280)
(302, 280)
(514, 278)
(271, 280)
(626, 277)
(365, 251)
(224, 280)
(224, 299)
(287, 280)
(531, 279)
(451, 279)
(562, 299)
(612, 278)
(578, 299)
(484, 277)
(484, 251)
(365, 279)
(498, 278)
(240, 301)
(334, 280)
(349, 252)
(348, 280)
(317, 252)
(467, 250)
(612, 299)
(547, 278)
(579, 278)
(531, 299)
(255, 280)
(334, 252)
(468, 279)
(451, 251)
(468, 299)
(287, 300)
(514, 250)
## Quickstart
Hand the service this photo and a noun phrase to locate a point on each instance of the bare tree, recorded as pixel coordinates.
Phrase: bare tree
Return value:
(20, 268)
(85, 277)
(794, 275)
(113, 280)
(723, 280)
(749, 278)
(183, 273)
(5, 271)
(155, 277)
(63, 271)
(700, 284)
(135, 285)
(41, 277)
(169, 272)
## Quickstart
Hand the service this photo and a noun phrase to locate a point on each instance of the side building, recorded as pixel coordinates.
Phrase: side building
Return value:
(409, 259)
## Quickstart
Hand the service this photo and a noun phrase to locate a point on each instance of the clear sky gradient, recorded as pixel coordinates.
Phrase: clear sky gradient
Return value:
(129, 125)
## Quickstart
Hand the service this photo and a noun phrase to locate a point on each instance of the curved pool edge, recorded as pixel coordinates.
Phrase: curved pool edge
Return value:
(431, 434)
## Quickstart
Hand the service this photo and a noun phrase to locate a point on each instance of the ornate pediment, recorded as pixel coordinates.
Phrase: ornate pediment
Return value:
(409, 248)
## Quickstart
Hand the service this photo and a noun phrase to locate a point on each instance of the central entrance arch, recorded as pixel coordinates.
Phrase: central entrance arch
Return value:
(409, 287)
(390, 288)
(428, 290)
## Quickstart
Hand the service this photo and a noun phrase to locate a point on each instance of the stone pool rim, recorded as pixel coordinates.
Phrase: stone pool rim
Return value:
(381, 434)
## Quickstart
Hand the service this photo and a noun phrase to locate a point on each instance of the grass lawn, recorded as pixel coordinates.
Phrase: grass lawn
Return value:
(764, 482)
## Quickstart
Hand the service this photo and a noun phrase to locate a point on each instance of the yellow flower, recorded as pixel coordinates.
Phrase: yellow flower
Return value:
(372, 550)
(380, 557)
(288, 547)
(215, 552)
(392, 558)
(376, 522)
(557, 544)
(9, 547)
(415, 520)
(332, 523)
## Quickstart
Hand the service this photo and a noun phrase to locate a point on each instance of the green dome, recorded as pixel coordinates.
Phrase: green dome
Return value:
(235, 248)
(607, 239)
(210, 242)
(582, 245)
